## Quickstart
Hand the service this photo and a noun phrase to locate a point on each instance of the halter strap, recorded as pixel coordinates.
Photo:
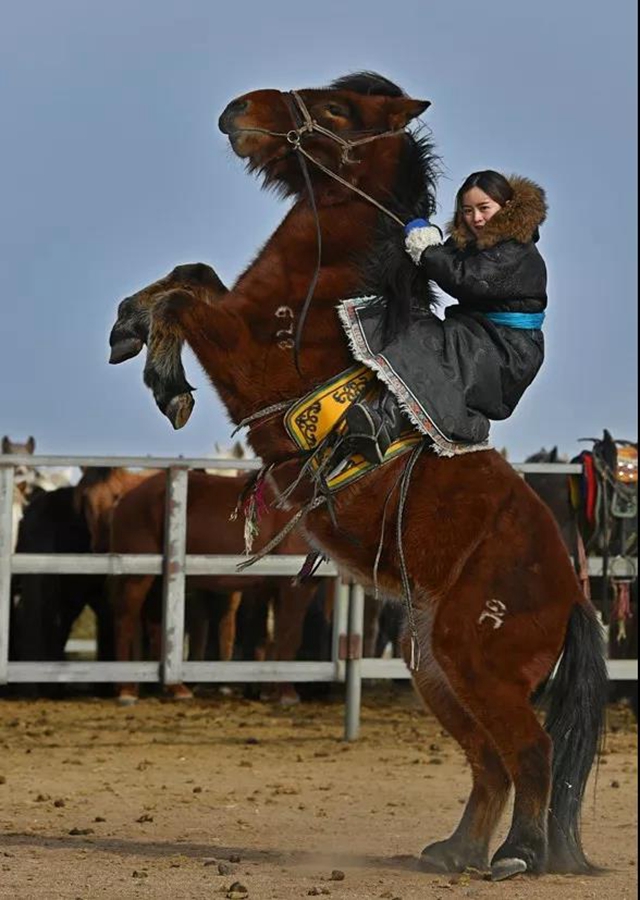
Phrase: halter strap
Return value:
(308, 126)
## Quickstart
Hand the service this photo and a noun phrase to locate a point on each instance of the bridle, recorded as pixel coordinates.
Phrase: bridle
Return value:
(305, 125)
(310, 126)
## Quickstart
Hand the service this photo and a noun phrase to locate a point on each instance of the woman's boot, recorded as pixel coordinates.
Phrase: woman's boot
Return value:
(372, 426)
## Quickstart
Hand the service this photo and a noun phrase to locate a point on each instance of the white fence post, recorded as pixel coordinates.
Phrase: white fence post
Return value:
(341, 590)
(354, 663)
(173, 583)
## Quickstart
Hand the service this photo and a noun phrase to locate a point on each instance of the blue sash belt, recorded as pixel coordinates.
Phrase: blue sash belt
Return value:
(516, 319)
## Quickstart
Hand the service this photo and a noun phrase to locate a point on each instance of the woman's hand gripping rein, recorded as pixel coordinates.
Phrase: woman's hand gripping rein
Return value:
(420, 234)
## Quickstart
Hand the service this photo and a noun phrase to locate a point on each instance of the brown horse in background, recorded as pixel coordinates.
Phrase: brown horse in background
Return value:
(495, 599)
(137, 526)
(98, 493)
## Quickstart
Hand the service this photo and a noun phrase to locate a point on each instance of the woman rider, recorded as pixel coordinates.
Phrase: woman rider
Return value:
(451, 376)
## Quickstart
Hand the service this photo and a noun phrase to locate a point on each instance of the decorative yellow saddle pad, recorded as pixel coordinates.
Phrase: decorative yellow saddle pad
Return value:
(311, 419)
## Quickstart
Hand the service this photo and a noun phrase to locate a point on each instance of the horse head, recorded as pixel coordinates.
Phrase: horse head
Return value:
(9, 446)
(236, 451)
(24, 476)
(339, 127)
(347, 145)
(544, 456)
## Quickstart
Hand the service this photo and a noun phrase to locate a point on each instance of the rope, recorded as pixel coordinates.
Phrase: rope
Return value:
(351, 187)
(376, 564)
(314, 280)
(263, 413)
(314, 503)
(414, 661)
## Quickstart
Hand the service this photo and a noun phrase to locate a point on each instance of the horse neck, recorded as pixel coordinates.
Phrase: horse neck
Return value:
(249, 366)
(283, 269)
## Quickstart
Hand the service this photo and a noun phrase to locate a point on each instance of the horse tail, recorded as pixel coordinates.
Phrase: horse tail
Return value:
(575, 722)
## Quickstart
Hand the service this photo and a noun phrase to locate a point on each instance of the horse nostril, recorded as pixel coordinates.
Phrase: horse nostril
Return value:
(235, 108)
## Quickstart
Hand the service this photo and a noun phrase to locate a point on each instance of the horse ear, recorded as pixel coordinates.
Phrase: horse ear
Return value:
(31, 445)
(6, 445)
(404, 109)
(553, 456)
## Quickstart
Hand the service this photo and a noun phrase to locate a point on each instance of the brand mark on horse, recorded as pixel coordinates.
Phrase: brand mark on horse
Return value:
(494, 610)
(285, 335)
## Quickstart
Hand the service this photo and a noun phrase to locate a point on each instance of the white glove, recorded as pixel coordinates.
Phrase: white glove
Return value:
(420, 235)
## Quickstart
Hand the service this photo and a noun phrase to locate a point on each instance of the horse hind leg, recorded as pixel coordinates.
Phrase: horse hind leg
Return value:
(227, 627)
(127, 596)
(500, 703)
(292, 603)
(468, 846)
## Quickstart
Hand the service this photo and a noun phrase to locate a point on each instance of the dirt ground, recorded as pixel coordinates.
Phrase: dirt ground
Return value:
(188, 801)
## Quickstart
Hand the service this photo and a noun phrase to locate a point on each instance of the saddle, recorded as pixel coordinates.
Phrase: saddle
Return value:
(319, 417)
(605, 499)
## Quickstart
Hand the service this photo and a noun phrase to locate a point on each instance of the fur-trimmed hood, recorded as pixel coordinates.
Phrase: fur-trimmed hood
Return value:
(518, 219)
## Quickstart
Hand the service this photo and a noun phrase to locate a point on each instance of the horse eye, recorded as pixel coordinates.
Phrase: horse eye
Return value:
(336, 110)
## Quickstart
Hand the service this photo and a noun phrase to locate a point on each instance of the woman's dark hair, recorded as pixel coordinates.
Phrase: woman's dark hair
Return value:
(492, 183)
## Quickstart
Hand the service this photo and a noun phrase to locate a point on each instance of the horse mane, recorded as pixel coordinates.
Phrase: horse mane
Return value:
(388, 274)
(367, 83)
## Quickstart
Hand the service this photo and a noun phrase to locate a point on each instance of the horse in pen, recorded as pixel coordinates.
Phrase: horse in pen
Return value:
(126, 514)
(492, 599)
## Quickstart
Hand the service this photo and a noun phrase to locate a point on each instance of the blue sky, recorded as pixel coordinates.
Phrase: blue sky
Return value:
(113, 171)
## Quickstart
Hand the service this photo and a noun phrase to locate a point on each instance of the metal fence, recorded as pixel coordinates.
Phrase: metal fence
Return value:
(346, 665)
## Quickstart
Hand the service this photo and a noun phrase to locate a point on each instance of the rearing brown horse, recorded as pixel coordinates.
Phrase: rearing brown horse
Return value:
(495, 597)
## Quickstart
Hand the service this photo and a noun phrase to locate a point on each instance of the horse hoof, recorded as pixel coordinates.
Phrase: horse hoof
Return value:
(288, 700)
(179, 409)
(507, 868)
(125, 349)
(180, 692)
(433, 866)
(127, 699)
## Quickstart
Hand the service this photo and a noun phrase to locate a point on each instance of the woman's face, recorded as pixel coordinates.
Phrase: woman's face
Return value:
(477, 209)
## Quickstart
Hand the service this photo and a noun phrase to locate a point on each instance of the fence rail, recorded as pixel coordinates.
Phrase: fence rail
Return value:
(175, 565)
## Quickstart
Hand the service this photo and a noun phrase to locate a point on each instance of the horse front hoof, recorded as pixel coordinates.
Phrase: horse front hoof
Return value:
(452, 856)
(507, 868)
(179, 692)
(434, 864)
(125, 349)
(178, 410)
(126, 698)
(289, 698)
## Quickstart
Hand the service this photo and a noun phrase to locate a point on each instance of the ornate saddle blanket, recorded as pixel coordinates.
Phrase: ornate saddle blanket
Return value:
(309, 421)
(605, 497)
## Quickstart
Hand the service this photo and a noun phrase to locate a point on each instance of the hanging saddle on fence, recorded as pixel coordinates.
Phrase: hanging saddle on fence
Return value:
(605, 498)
